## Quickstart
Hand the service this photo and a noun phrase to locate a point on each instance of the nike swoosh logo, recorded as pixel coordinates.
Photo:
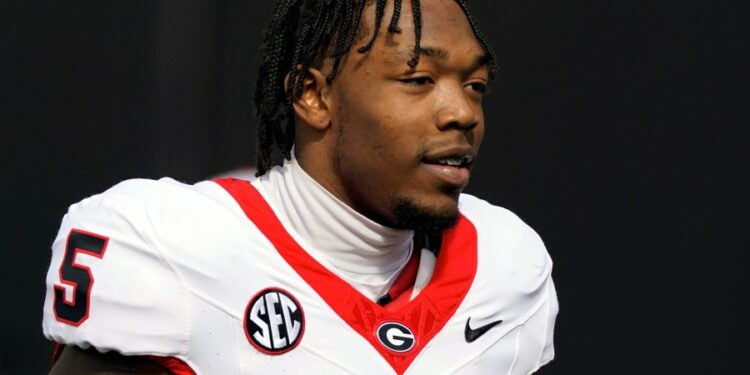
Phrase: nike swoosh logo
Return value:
(473, 334)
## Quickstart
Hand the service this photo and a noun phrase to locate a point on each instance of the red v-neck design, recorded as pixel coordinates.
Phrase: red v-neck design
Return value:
(425, 315)
(400, 291)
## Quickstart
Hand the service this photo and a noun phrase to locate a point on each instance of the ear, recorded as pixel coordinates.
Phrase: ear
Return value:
(312, 107)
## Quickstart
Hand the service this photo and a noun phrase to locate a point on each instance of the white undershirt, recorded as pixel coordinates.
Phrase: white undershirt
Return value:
(367, 255)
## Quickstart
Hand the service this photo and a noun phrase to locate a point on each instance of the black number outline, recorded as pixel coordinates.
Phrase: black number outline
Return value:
(76, 312)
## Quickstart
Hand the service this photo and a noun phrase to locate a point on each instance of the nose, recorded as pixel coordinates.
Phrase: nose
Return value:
(455, 109)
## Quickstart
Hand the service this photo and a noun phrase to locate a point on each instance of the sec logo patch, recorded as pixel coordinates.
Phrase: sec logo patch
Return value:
(274, 321)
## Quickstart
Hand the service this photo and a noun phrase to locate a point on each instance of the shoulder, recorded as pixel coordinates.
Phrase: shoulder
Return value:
(115, 276)
(138, 194)
(514, 271)
(156, 209)
(481, 210)
(514, 276)
(190, 229)
(505, 233)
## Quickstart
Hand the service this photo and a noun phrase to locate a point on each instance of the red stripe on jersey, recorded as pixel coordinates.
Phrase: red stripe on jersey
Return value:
(400, 292)
(425, 315)
(174, 365)
(57, 352)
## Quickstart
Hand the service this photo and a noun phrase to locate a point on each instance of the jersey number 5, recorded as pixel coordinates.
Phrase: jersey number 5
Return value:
(78, 276)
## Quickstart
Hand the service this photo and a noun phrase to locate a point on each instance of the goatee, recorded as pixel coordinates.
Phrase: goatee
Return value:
(410, 215)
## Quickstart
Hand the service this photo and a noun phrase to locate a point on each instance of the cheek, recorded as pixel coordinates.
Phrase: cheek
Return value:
(358, 127)
(377, 148)
(381, 128)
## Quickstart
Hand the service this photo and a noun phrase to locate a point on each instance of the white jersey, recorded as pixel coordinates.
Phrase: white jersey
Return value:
(208, 275)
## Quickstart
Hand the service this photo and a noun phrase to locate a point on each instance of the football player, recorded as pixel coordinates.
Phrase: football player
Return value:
(358, 255)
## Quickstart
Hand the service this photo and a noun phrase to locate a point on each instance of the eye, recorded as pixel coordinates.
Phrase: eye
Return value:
(416, 81)
(479, 87)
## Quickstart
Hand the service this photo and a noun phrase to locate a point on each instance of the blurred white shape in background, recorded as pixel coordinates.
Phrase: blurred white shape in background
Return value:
(242, 173)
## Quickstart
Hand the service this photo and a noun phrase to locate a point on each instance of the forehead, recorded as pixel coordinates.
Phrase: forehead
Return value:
(445, 32)
(442, 14)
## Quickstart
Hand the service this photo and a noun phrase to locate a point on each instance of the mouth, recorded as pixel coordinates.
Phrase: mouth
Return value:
(453, 166)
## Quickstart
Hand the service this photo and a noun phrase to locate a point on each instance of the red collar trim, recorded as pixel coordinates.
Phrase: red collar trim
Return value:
(425, 315)
(400, 292)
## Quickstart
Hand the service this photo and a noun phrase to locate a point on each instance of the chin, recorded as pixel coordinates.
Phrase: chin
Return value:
(410, 214)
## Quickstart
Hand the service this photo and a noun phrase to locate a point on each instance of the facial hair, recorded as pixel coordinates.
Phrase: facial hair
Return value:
(409, 215)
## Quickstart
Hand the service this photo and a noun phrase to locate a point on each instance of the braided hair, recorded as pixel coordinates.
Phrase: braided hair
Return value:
(303, 34)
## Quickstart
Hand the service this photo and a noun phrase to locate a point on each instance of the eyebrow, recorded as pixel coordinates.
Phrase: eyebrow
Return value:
(402, 55)
(405, 54)
(434, 52)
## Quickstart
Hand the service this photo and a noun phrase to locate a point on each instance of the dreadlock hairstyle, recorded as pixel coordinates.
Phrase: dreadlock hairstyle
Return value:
(302, 34)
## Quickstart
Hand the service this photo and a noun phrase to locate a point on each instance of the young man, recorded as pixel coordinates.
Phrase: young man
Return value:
(358, 255)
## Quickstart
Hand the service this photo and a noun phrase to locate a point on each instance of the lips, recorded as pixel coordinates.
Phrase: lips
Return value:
(454, 161)
(450, 165)
(463, 153)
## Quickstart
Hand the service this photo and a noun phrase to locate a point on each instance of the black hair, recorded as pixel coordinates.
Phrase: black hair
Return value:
(303, 34)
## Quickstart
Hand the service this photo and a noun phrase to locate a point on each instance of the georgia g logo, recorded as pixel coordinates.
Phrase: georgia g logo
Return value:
(396, 337)
(274, 321)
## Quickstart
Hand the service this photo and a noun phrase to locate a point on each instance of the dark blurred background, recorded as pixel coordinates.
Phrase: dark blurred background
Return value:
(617, 129)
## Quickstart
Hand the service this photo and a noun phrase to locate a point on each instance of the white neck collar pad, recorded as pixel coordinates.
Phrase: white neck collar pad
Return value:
(366, 254)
